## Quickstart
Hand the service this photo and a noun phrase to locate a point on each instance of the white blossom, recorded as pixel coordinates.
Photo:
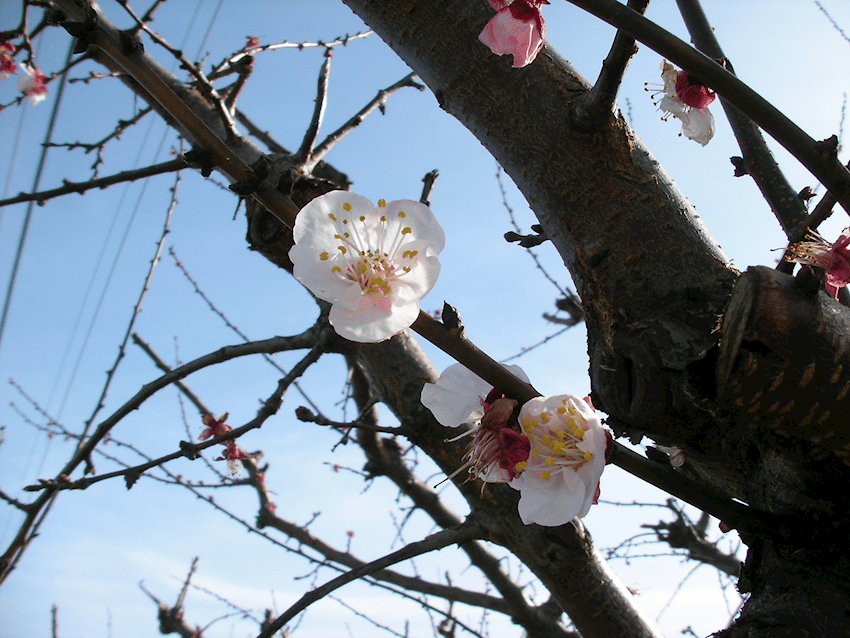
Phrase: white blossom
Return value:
(373, 263)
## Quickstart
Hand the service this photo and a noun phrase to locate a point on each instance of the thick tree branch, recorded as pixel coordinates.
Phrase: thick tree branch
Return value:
(758, 160)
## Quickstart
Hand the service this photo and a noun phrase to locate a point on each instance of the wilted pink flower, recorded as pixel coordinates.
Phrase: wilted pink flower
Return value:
(215, 427)
(373, 263)
(560, 481)
(517, 29)
(253, 42)
(233, 454)
(461, 397)
(7, 60)
(32, 84)
(687, 100)
(833, 258)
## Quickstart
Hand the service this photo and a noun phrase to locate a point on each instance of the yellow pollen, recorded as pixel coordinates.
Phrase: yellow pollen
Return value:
(571, 422)
(382, 203)
(406, 230)
(346, 207)
(401, 213)
(406, 268)
(342, 248)
(588, 456)
(336, 269)
(383, 218)
(535, 452)
(528, 423)
(547, 440)
(332, 216)
(562, 410)
(521, 466)
(550, 461)
(362, 219)
(361, 267)
(560, 433)
(544, 417)
(323, 256)
(545, 476)
(559, 447)
(344, 221)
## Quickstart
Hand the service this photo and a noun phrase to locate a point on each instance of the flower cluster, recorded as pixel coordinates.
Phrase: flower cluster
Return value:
(517, 29)
(373, 263)
(33, 84)
(553, 451)
(687, 100)
(7, 60)
(232, 452)
(833, 258)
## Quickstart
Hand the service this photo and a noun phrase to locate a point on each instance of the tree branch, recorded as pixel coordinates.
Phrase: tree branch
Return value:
(758, 160)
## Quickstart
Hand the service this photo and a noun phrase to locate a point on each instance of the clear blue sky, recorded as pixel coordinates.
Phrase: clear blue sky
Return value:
(97, 545)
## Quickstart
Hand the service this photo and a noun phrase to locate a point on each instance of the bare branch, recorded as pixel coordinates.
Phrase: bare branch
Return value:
(102, 182)
(457, 535)
(597, 104)
(379, 102)
(822, 163)
(312, 132)
(758, 161)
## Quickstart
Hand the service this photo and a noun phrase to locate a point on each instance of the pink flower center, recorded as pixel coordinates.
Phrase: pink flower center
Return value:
(692, 93)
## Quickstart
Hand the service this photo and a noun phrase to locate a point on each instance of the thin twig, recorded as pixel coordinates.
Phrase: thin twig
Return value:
(758, 161)
(312, 133)
(457, 535)
(102, 182)
(378, 102)
(136, 309)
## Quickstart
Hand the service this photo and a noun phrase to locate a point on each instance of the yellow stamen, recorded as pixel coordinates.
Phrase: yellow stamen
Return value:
(346, 207)
(545, 476)
(323, 256)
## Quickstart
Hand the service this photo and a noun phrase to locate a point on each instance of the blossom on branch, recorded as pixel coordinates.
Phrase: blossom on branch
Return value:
(7, 60)
(33, 84)
(687, 100)
(233, 454)
(462, 398)
(560, 481)
(517, 29)
(215, 426)
(833, 258)
(373, 263)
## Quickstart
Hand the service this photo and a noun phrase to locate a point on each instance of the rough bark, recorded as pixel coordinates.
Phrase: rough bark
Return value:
(653, 284)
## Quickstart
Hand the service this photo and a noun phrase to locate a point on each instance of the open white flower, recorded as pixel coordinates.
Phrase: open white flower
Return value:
(687, 100)
(372, 263)
(561, 478)
(461, 397)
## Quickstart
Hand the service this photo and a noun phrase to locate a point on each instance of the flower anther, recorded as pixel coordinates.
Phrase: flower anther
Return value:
(687, 100)
(518, 29)
(568, 448)
(373, 263)
(498, 449)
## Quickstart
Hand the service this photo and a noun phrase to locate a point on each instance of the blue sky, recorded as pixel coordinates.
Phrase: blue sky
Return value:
(97, 545)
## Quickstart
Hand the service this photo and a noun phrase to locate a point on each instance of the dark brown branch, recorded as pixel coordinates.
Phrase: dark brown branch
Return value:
(823, 165)
(457, 535)
(166, 368)
(379, 102)
(312, 133)
(598, 104)
(151, 79)
(758, 161)
(190, 450)
(102, 182)
(681, 533)
(428, 186)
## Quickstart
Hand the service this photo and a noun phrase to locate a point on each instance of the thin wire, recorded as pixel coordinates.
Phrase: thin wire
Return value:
(13, 277)
(13, 159)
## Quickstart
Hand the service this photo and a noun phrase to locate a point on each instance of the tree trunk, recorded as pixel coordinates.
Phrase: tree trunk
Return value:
(653, 283)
